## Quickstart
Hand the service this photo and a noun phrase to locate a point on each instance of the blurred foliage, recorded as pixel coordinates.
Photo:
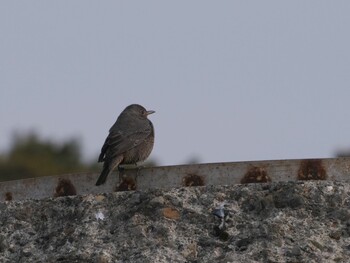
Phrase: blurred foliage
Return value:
(31, 156)
(342, 153)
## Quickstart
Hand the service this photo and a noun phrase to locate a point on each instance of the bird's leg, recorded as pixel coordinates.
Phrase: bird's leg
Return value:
(121, 168)
(138, 169)
(132, 166)
(124, 167)
(120, 172)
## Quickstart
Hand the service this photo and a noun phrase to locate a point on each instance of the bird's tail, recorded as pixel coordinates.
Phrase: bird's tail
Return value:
(103, 176)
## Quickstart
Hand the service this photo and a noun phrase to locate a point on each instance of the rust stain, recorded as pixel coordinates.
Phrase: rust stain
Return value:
(256, 174)
(171, 213)
(127, 184)
(99, 198)
(8, 196)
(312, 170)
(193, 180)
(64, 188)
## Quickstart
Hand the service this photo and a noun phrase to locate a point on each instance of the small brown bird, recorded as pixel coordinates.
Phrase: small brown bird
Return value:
(130, 140)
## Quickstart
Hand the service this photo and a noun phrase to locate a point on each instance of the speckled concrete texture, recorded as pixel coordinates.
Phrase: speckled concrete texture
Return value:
(273, 222)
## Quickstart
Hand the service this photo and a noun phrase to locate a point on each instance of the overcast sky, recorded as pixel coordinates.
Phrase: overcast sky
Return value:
(229, 80)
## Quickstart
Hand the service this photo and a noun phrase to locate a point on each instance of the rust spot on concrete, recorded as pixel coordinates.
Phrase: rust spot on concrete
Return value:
(193, 180)
(127, 184)
(171, 213)
(312, 170)
(64, 188)
(256, 175)
(99, 198)
(8, 196)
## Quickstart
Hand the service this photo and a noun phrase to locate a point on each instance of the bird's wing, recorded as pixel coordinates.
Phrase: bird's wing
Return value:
(118, 142)
(105, 146)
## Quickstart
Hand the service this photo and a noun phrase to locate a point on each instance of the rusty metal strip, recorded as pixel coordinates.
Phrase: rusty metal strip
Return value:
(180, 175)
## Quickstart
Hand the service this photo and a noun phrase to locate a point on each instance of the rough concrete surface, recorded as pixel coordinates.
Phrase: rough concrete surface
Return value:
(275, 222)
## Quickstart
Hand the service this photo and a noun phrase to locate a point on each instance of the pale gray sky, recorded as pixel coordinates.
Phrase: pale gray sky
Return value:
(230, 80)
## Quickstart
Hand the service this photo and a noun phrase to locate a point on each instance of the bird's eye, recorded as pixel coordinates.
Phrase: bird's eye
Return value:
(143, 112)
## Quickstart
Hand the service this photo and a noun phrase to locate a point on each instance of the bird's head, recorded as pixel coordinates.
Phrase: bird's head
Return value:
(137, 111)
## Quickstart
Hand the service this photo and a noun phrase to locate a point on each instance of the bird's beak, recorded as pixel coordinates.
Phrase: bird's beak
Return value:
(150, 112)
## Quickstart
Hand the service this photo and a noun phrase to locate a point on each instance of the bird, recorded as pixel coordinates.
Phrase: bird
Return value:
(130, 140)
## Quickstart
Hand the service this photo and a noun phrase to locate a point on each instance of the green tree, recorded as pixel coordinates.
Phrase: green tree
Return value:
(31, 156)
